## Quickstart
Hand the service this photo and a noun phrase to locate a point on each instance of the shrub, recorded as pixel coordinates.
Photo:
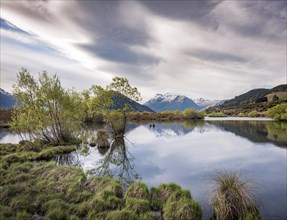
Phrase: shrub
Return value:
(253, 114)
(217, 114)
(278, 112)
(102, 138)
(241, 114)
(45, 110)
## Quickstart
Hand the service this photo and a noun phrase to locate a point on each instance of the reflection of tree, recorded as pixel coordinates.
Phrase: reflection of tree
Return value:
(277, 132)
(256, 131)
(117, 162)
(71, 159)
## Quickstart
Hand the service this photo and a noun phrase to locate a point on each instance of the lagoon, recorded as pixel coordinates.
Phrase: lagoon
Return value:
(189, 153)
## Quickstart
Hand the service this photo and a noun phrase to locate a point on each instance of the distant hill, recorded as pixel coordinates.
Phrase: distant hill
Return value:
(205, 103)
(135, 106)
(172, 102)
(257, 95)
(6, 100)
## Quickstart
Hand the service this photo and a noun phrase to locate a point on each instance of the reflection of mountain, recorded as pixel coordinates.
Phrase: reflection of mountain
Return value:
(174, 129)
(130, 127)
(3, 133)
(170, 130)
(257, 131)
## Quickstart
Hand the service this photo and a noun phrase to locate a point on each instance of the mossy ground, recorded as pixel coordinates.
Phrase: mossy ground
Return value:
(33, 188)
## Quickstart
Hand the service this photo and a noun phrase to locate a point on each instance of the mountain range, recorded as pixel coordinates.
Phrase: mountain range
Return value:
(171, 102)
(120, 101)
(205, 103)
(6, 100)
(168, 101)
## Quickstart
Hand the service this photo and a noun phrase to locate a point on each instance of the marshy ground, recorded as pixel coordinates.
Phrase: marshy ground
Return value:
(32, 187)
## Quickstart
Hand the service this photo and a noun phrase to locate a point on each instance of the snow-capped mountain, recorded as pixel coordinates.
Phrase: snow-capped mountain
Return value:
(6, 99)
(168, 101)
(205, 103)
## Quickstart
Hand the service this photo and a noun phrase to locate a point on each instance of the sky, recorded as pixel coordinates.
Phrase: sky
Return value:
(211, 49)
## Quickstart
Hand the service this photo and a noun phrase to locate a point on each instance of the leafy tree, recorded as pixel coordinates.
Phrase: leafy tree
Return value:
(45, 110)
(112, 102)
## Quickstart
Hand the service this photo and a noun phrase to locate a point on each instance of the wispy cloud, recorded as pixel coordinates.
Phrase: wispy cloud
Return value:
(189, 47)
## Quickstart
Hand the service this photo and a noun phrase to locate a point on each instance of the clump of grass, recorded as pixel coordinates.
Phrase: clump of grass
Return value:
(24, 154)
(161, 194)
(232, 196)
(7, 149)
(122, 215)
(137, 205)
(149, 216)
(102, 139)
(138, 190)
(23, 215)
(51, 152)
(25, 145)
(5, 212)
(57, 214)
(175, 202)
(99, 183)
(182, 209)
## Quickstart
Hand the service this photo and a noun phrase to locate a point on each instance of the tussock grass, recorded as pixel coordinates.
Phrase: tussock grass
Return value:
(185, 209)
(122, 215)
(102, 139)
(138, 190)
(137, 205)
(232, 196)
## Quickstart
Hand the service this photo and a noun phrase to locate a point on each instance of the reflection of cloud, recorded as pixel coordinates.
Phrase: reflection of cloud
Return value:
(190, 159)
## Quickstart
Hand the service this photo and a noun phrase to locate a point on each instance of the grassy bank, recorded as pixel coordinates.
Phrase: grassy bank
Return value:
(188, 114)
(12, 153)
(33, 188)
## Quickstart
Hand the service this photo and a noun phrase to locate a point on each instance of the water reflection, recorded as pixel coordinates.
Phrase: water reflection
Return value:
(116, 161)
(68, 159)
(256, 131)
(189, 152)
(174, 129)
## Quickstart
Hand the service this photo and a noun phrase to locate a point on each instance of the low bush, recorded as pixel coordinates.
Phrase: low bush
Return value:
(217, 114)
(278, 112)
(253, 114)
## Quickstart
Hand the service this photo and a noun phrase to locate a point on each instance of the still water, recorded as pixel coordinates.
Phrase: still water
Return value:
(189, 153)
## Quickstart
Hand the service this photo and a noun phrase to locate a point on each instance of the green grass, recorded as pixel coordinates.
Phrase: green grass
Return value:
(30, 186)
(28, 151)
